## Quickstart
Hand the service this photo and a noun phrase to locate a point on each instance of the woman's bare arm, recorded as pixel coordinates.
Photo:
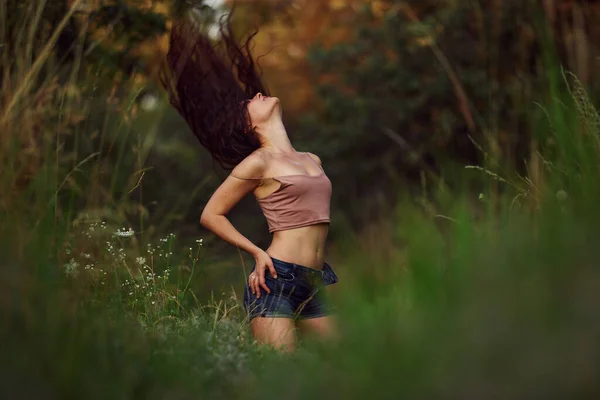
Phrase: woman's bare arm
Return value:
(227, 195)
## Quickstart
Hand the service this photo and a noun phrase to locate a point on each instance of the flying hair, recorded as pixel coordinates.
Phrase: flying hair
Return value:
(208, 82)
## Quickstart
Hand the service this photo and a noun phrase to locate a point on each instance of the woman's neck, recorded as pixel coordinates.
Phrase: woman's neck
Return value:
(276, 140)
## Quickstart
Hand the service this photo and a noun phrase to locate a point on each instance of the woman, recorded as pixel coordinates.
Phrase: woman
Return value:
(217, 90)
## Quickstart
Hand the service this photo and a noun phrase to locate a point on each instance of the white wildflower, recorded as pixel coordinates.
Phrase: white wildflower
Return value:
(140, 260)
(125, 233)
(71, 267)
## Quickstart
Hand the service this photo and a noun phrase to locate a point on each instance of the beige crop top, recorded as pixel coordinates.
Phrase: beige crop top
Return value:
(301, 200)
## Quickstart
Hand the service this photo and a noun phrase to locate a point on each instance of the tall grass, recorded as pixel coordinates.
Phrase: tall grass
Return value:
(90, 308)
(499, 305)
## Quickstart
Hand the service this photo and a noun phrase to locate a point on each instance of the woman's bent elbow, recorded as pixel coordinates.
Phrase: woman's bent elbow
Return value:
(204, 220)
(209, 221)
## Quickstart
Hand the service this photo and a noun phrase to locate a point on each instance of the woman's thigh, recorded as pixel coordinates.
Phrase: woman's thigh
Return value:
(279, 333)
(318, 328)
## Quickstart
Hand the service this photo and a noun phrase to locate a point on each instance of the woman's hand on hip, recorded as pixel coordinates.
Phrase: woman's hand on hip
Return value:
(256, 280)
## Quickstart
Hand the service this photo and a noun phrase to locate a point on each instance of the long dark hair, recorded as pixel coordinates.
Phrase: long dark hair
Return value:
(208, 83)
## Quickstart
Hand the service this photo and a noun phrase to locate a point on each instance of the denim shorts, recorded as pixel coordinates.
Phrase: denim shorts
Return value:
(294, 294)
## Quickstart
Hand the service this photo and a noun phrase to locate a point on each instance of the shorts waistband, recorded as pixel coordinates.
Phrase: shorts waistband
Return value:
(296, 267)
(326, 275)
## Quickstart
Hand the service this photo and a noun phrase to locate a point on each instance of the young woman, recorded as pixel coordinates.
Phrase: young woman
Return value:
(217, 90)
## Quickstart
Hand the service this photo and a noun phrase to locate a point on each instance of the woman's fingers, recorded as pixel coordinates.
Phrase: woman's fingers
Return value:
(261, 279)
(254, 285)
(272, 268)
(251, 279)
(257, 286)
(256, 280)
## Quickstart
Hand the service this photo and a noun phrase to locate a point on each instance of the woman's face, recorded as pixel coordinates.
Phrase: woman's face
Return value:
(262, 108)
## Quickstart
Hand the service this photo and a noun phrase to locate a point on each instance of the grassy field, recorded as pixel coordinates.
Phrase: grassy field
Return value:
(492, 297)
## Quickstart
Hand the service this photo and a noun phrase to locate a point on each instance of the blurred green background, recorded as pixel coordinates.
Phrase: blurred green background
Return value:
(463, 145)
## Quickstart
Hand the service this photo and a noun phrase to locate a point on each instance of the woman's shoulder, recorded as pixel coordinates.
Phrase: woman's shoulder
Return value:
(251, 167)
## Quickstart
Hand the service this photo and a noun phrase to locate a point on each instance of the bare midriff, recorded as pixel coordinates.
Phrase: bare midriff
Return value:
(304, 246)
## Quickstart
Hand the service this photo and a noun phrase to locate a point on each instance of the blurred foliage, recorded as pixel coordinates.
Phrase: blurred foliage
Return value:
(90, 122)
(106, 34)
(416, 89)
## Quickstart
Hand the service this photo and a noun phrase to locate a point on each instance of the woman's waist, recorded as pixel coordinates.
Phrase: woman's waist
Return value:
(300, 255)
(303, 246)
